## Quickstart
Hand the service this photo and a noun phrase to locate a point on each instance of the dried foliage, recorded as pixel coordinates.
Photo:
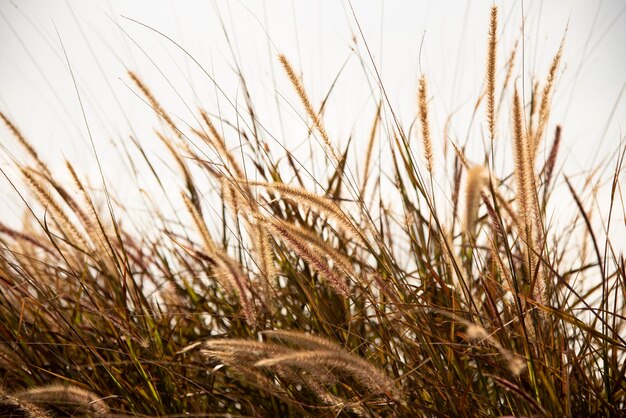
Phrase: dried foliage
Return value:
(318, 299)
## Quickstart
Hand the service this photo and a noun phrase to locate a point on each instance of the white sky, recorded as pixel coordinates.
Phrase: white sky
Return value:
(37, 91)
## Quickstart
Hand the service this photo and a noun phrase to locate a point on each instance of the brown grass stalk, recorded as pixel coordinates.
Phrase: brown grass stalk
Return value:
(304, 98)
(17, 134)
(546, 99)
(58, 214)
(422, 99)
(314, 257)
(476, 179)
(522, 175)
(316, 202)
(68, 396)
(220, 145)
(491, 72)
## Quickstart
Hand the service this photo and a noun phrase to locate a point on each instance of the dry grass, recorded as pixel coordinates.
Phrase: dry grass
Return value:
(422, 100)
(491, 73)
(302, 301)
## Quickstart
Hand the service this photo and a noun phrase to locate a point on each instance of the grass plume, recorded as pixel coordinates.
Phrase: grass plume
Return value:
(423, 116)
(308, 107)
(491, 73)
(271, 284)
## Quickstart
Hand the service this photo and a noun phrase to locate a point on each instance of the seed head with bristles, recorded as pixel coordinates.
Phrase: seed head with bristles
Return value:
(522, 176)
(71, 395)
(422, 97)
(312, 257)
(217, 141)
(546, 99)
(308, 107)
(319, 203)
(491, 73)
(59, 215)
(156, 106)
(476, 180)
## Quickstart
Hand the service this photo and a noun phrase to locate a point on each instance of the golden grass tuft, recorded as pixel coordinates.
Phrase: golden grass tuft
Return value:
(209, 244)
(17, 134)
(220, 145)
(544, 107)
(490, 85)
(522, 166)
(318, 243)
(312, 256)
(14, 406)
(308, 107)
(70, 397)
(319, 203)
(59, 215)
(324, 362)
(154, 103)
(477, 178)
(317, 293)
(422, 99)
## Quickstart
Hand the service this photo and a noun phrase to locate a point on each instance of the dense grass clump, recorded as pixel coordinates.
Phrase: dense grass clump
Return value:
(318, 296)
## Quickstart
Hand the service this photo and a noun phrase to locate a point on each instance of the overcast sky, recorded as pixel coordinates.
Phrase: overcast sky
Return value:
(443, 39)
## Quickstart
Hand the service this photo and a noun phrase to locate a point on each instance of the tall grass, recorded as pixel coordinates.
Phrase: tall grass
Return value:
(334, 303)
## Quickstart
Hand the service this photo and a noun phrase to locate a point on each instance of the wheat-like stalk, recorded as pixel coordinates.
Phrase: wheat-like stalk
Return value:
(182, 165)
(91, 223)
(460, 155)
(319, 203)
(328, 398)
(546, 98)
(422, 99)
(61, 395)
(242, 346)
(522, 165)
(476, 179)
(209, 244)
(44, 171)
(263, 244)
(58, 214)
(323, 363)
(25, 409)
(315, 240)
(154, 103)
(313, 257)
(236, 279)
(265, 255)
(32, 241)
(491, 72)
(527, 200)
(220, 145)
(17, 134)
(239, 281)
(304, 98)
(362, 371)
(509, 285)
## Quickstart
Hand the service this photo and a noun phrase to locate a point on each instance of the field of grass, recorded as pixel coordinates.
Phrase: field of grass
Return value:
(306, 295)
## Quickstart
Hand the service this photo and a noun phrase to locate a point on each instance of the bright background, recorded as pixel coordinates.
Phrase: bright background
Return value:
(444, 39)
